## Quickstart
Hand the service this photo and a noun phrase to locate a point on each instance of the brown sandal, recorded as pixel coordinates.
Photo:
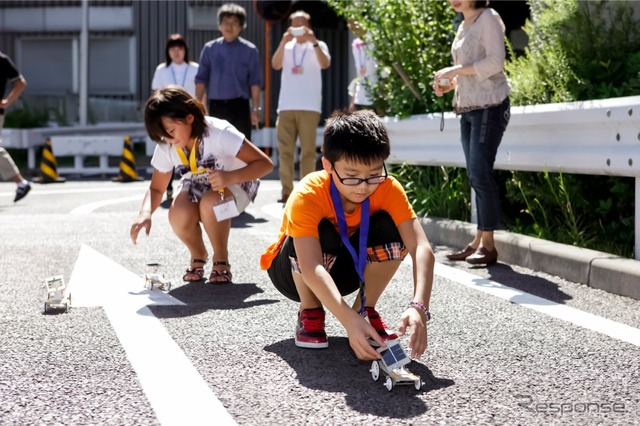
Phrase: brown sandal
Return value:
(198, 270)
(220, 277)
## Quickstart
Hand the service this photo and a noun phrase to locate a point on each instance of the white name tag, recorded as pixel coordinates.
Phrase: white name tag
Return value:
(226, 209)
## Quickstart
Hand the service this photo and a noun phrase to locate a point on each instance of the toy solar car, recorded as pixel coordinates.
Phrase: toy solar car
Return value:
(58, 300)
(156, 279)
(392, 365)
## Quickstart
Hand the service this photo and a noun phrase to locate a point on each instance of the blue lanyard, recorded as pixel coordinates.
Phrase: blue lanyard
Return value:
(184, 77)
(360, 258)
(304, 52)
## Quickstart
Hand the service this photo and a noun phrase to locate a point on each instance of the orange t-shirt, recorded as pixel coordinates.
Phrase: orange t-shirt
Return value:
(310, 202)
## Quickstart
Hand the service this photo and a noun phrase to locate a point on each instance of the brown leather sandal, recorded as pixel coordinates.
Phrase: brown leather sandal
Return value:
(220, 277)
(198, 270)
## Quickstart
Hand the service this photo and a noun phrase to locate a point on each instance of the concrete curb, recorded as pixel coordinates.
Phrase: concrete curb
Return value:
(596, 269)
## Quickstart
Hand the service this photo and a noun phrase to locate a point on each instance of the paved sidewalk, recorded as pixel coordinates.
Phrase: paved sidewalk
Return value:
(596, 269)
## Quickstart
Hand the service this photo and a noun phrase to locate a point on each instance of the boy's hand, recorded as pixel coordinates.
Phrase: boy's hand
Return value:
(358, 331)
(416, 321)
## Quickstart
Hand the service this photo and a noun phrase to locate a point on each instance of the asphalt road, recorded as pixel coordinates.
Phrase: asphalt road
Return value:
(506, 345)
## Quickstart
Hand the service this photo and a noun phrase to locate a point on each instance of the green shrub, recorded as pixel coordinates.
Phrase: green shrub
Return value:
(25, 118)
(410, 38)
(436, 191)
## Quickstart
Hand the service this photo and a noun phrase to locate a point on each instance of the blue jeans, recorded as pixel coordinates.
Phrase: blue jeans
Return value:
(481, 133)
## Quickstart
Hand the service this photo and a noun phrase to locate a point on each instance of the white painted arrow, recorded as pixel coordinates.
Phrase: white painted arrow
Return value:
(174, 388)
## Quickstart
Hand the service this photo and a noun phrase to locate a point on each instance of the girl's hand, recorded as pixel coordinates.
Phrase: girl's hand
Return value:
(417, 322)
(142, 222)
(218, 179)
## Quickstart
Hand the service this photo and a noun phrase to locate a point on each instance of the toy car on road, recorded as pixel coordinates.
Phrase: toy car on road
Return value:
(392, 366)
(156, 279)
(58, 299)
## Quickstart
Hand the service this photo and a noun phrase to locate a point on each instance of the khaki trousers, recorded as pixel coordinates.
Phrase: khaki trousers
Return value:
(8, 169)
(289, 126)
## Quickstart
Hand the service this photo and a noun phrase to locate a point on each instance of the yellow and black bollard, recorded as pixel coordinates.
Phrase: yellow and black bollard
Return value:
(127, 171)
(48, 166)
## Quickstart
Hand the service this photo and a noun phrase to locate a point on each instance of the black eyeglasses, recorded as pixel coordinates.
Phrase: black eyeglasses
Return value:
(353, 181)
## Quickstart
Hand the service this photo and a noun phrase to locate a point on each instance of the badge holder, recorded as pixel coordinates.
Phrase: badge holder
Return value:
(226, 208)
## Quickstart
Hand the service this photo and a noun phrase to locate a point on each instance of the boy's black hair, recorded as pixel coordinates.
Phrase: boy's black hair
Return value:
(357, 136)
(479, 4)
(173, 41)
(175, 103)
(232, 9)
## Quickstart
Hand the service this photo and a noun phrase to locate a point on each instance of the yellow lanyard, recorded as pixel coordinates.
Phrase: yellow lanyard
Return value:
(192, 158)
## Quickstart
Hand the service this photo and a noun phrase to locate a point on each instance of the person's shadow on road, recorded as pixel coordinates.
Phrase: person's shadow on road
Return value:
(246, 220)
(200, 297)
(531, 284)
(336, 369)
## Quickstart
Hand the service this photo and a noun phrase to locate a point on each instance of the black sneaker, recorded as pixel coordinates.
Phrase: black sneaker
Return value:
(22, 192)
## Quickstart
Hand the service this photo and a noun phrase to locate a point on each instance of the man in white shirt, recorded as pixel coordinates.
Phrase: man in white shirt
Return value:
(301, 57)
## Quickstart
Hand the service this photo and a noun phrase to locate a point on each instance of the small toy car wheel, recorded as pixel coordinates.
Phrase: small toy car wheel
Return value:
(418, 384)
(66, 308)
(375, 370)
(167, 286)
(388, 383)
(46, 308)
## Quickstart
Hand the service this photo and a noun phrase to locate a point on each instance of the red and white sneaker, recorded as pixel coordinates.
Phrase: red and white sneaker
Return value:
(376, 322)
(310, 329)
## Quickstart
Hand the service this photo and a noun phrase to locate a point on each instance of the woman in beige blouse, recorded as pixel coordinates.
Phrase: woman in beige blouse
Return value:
(481, 98)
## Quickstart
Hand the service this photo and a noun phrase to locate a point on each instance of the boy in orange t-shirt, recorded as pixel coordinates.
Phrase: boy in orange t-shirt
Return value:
(347, 228)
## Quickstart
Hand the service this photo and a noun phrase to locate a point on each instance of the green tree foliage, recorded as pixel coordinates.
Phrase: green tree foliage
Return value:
(578, 50)
(410, 41)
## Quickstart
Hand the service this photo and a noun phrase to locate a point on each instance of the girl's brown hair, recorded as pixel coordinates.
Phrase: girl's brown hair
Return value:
(174, 103)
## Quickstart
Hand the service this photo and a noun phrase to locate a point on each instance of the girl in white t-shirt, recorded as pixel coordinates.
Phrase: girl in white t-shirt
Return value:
(177, 68)
(215, 164)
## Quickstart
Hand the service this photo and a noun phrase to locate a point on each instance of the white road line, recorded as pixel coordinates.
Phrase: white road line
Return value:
(90, 207)
(173, 386)
(37, 191)
(566, 313)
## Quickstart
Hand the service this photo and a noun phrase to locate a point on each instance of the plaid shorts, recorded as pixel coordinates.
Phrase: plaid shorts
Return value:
(386, 245)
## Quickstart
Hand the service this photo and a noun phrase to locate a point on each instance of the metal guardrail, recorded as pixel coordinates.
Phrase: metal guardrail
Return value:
(600, 137)
(33, 139)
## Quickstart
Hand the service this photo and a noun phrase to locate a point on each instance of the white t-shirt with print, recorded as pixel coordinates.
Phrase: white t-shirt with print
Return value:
(301, 91)
(220, 148)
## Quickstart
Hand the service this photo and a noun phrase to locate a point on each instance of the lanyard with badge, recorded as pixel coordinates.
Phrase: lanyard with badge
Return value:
(298, 68)
(184, 76)
(360, 258)
(225, 208)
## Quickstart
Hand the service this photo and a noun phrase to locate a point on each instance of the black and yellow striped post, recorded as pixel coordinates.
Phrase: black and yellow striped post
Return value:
(127, 171)
(49, 166)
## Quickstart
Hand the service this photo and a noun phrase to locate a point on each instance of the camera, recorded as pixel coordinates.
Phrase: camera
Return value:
(444, 82)
(297, 31)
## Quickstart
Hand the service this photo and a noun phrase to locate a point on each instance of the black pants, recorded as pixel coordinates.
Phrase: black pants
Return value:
(382, 230)
(236, 111)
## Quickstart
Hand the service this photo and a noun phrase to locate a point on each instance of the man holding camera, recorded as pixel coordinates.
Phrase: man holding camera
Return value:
(301, 57)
